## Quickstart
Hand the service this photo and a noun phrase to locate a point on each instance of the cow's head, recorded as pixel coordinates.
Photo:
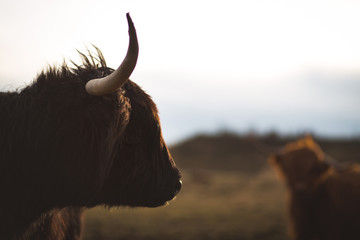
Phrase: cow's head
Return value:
(301, 163)
(90, 137)
(143, 172)
(82, 136)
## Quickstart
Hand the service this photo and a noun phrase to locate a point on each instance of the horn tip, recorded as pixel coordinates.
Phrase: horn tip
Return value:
(130, 22)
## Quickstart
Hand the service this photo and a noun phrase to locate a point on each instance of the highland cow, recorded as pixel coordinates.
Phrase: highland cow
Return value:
(323, 196)
(75, 138)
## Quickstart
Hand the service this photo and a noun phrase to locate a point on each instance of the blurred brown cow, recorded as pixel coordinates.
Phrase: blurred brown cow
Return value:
(324, 197)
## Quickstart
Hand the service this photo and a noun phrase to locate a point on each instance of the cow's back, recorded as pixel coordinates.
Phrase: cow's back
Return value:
(341, 213)
(344, 191)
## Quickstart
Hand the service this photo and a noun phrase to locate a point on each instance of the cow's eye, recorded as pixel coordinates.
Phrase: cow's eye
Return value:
(158, 129)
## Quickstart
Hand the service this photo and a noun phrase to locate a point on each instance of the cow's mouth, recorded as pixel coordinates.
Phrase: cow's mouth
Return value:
(164, 199)
(148, 197)
(177, 189)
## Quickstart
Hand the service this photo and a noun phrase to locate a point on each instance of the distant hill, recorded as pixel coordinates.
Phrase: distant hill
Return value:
(248, 153)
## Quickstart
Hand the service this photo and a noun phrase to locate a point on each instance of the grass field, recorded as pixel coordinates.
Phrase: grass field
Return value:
(229, 193)
(212, 205)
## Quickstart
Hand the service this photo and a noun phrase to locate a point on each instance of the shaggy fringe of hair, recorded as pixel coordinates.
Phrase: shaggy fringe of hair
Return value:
(304, 143)
(89, 62)
(307, 143)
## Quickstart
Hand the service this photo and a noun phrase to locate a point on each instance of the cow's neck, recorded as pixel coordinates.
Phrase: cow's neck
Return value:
(17, 209)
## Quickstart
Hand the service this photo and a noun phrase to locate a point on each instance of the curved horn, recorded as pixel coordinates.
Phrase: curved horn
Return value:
(114, 81)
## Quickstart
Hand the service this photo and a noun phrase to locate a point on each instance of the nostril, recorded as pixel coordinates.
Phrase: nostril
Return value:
(178, 186)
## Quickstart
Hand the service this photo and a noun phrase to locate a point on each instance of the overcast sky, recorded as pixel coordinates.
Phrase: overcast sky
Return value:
(283, 65)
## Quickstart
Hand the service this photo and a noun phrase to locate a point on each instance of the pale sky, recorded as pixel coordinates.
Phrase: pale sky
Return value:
(283, 65)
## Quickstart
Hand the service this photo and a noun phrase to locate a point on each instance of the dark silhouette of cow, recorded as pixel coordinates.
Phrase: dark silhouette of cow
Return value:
(79, 137)
(324, 195)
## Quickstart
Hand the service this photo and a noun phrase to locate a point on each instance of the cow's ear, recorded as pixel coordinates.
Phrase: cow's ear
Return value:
(275, 159)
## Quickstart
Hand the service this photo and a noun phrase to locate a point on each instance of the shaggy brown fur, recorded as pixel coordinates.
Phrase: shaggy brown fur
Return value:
(323, 201)
(66, 223)
(62, 149)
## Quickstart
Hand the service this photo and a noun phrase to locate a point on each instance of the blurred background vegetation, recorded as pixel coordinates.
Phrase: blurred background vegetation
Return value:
(229, 192)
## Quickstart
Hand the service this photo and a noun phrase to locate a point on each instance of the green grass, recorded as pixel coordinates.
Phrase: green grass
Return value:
(212, 205)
